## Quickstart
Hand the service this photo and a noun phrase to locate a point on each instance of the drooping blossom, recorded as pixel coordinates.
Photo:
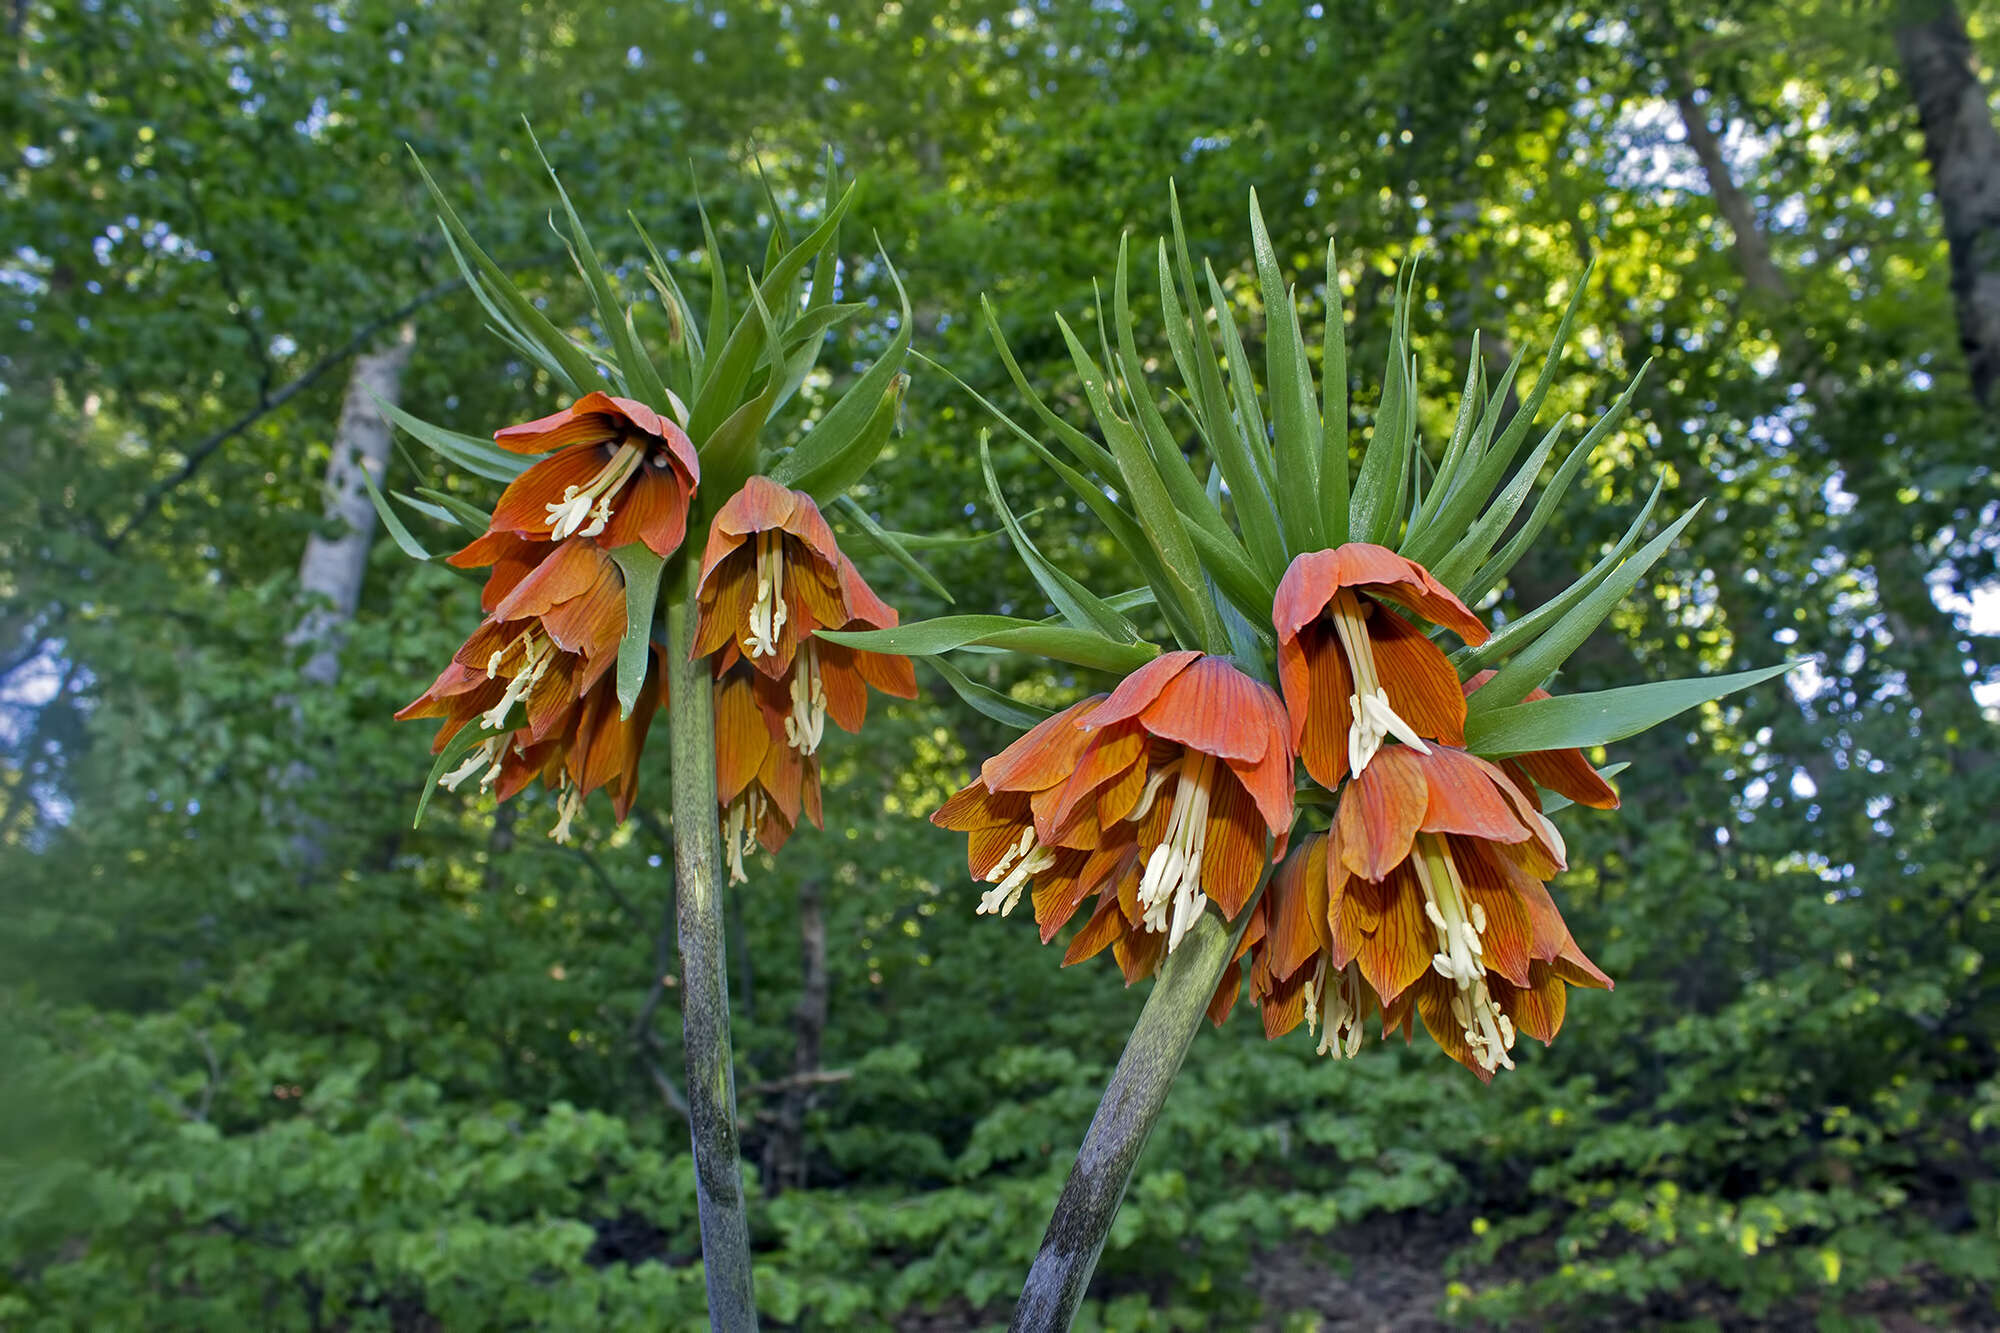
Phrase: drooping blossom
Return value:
(1157, 797)
(538, 674)
(1433, 902)
(1565, 772)
(1353, 670)
(770, 576)
(763, 784)
(618, 472)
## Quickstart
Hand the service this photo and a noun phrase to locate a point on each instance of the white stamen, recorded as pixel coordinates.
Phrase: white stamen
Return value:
(487, 754)
(567, 809)
(805, 727)
(591, 502)
(1374, 719)
(1461, 947)
(768, 612)
(538, 653)
(1013, 872)
(739, 831)
(1170, 894)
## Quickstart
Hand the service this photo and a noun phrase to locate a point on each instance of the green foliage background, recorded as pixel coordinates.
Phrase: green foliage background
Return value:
(424, 1090)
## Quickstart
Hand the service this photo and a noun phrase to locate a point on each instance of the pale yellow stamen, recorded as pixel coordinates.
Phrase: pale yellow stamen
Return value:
(538, 654)
(485, 755)
(1342, 1038)
(1461, 926)
(591, 502)
(768, 613)
(1170, 894)
(1374, 719)
(1013, 872)
(739, 831)
(805, 726)
(568, 807)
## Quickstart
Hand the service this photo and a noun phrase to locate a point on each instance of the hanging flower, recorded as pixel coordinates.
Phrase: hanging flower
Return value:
(538, 673)
(1433, 902)
(762, 783)
(1354, 672)
(1157, 797)
(831, 680)
(618, 472)
(770, 577)
(1565, 772)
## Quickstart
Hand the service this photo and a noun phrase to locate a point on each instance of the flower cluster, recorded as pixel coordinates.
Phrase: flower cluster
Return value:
(1426, 898)
(537, 673)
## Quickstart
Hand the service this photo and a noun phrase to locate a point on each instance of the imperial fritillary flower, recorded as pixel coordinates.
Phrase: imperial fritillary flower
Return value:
(1353, 670)
(1433, 902)
(770, 576)
(762, 782)
(618, 472)
(1158, 797)
(538, 674)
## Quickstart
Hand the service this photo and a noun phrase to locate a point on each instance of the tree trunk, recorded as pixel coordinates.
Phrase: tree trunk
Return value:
(1963, 149)
(335, 560)
(1930, 644)
(785, 1155)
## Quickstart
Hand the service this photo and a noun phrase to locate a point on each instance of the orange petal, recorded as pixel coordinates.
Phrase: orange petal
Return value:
(1419, 679)
(846, 692)
(1106, 757)
(591, 419)
(1104, 926)
(1211, 706)
(523, 506)
(1138, 690)
(1045, 756)
(1538, 1009)
(1226, 992)
(1381, 811)
(892, 675)
(1285, 1007)
(1577, 970)
(1138, 953)
(860, 599)
(1399, 950)
(1434, 1007)
(1120, 797)
(1295, 908)
(1233, 856)
(741, 740)
(1468, 796)
(652, 508)
(569, 572)
(1328, 714)
(1269, 780)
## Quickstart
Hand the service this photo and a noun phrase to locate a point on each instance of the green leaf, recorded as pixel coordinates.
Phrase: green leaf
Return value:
(1159, 519)
(393, 525)
(1517, 633)
(1539, 660)
(1078, 604)
(984, 698)
(1242, 385)
(725, 379)
(895, 545)
(1333, 411)
(1385, 464)
(578, 368)
(1579, 721)
(1299, 439)
(1553, 801)
(480, 457)
(926, 638)
(1234, 576)
(1463, 559)
(1496, 569)
(642, 379)
(471, 515)
(1085, 450)
(672, 298)
(642, 597)
(841, 445)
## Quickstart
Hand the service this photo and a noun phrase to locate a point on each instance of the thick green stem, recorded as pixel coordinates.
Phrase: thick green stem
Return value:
(711, 1075)
(1124, 1120)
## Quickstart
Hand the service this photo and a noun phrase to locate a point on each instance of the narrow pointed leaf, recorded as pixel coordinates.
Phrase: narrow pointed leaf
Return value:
(455, 749)
(1539, 660)
(462, 511)
(642, 596)
(985, 699)
(1077, 603)
(1063, 643)
(480, 457)
(1579, 721)
(392, 524)
(829, 450)
(1298, 441)
(894, 545)
(1333, 481)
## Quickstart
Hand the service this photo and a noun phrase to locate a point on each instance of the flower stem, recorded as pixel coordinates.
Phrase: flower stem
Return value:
(1124, 1120)
(711, 1074)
